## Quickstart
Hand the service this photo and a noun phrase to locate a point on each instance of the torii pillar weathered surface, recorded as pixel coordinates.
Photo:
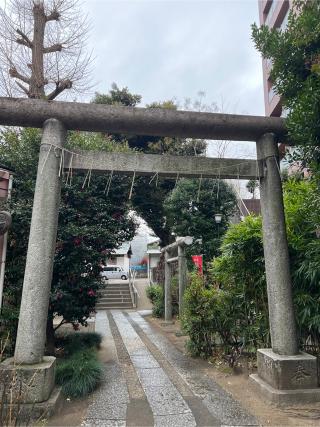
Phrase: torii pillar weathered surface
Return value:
(36, 372)
(285, 375)
(31, 334)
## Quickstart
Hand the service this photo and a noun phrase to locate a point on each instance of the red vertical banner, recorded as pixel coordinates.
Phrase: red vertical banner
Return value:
(198, 262)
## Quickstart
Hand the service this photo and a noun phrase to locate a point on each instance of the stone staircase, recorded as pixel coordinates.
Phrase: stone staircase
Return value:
(115, 296)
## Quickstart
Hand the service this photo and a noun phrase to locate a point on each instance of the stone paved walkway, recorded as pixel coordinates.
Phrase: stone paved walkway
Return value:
(148, 382)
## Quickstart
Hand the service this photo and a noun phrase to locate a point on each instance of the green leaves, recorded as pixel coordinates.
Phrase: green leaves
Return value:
(190, 210)
(240, 268)
(199, 316)
(89, 223)
(295, 73)
(80, 374)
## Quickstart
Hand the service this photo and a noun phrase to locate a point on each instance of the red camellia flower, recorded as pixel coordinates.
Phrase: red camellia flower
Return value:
(77, 241)
(117, 215)
(91, 293)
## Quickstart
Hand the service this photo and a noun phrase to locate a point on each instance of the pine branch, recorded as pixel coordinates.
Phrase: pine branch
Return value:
(25, 41)
(60, 87)
(54, 48)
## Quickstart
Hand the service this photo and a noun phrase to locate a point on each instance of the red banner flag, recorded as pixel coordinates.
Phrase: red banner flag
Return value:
(198, 262)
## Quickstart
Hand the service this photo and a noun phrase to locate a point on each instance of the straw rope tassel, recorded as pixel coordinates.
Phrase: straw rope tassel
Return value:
(199, 189)
(45, 160)
(90, 173)
(275, 159)
(108, 186)
(132, 184)
(61, 163)
(69, 176)
(85, 179)
(218, 184)
(154, 176)
(177, 179)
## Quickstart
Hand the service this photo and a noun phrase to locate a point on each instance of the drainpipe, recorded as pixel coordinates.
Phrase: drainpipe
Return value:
(4, 249)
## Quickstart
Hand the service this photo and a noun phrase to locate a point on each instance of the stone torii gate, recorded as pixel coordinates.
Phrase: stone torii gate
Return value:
(179, 247)
(284, 374)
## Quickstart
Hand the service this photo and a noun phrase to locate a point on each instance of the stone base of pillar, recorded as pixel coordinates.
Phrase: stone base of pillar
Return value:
(28, 383)
(29, 391)
(287, 380)
(26, 413)
(167, 323)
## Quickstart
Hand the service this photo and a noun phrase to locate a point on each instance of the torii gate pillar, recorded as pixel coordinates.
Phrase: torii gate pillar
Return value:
(34, 371)
(285, 375)
(179, 247)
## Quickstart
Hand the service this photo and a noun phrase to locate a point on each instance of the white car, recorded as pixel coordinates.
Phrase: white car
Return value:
(113, 272)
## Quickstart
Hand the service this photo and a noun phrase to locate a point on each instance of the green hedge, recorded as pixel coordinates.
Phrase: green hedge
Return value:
(155, 293)
(231, 314)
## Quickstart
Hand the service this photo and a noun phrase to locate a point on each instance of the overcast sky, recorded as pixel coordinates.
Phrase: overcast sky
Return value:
(172, 49)
(164, 49)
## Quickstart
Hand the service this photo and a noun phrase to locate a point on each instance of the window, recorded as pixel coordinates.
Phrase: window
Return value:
(285, 21)
(273, 7)
(271, 94)
(270, 13)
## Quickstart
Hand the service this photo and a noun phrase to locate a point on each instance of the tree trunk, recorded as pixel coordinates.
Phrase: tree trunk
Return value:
(50, 345)
(37, 71)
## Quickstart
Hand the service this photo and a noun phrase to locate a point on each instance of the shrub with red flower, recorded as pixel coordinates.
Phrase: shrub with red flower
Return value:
(77, 241)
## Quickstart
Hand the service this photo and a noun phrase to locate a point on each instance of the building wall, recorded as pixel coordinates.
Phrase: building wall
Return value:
(139, 246)
(119, 260)
(273, 13)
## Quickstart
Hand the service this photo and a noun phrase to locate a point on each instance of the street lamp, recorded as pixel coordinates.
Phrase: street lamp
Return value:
(218, 219)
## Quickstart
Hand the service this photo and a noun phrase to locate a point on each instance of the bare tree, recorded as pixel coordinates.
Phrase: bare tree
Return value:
(42, 48)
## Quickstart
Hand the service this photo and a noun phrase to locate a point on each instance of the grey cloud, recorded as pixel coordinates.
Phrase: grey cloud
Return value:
(166, 49)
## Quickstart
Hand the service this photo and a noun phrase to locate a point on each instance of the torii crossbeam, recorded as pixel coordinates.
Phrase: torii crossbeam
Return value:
(163, 165)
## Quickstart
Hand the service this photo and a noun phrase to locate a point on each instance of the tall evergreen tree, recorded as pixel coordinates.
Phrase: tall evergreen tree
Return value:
(147, 199)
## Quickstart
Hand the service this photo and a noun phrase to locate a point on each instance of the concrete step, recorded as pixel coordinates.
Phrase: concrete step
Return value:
(113, 306)
(106, 295)
(115, 291)
(117, 288)
(114, 300)
(115, 285)
(115, 294)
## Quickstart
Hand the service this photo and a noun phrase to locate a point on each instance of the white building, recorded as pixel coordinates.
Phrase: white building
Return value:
(121, 257)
